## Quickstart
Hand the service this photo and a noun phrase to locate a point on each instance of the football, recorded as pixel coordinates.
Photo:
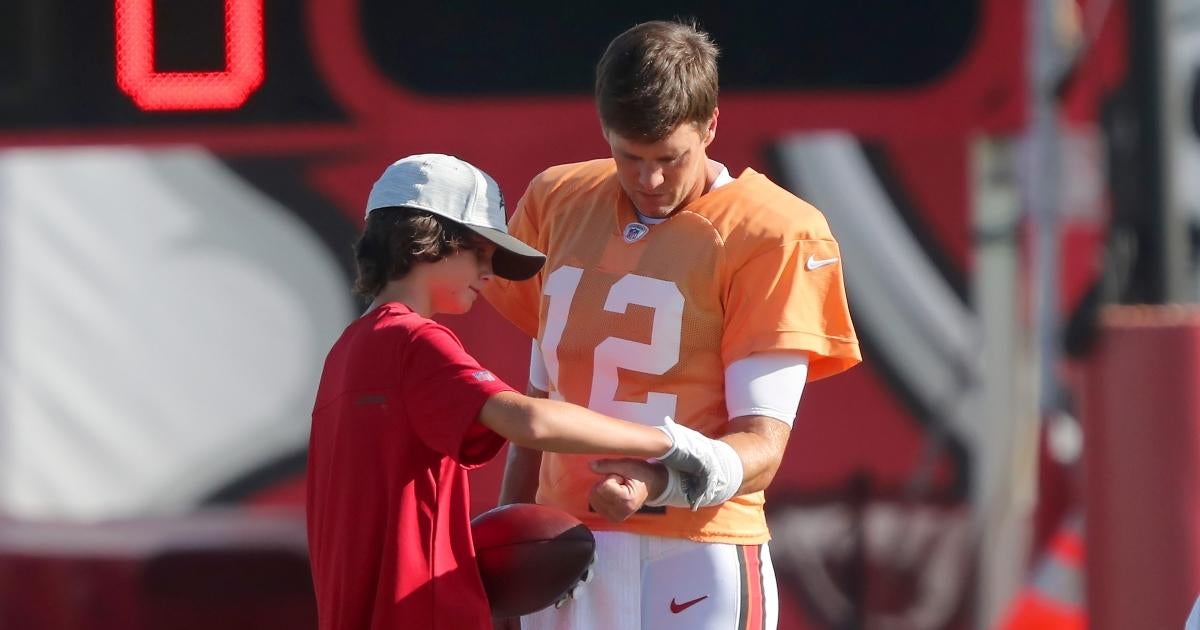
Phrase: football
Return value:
(529, 556)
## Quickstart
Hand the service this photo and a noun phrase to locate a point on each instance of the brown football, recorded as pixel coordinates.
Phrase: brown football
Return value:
(529, 556)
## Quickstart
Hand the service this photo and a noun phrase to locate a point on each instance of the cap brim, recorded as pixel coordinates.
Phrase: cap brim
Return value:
(513, 260)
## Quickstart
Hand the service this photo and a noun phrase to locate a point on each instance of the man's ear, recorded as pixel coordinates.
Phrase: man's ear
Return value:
(712, 127)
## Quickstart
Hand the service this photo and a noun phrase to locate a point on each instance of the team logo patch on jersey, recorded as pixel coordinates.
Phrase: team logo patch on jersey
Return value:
(483, 375)
(634, 232)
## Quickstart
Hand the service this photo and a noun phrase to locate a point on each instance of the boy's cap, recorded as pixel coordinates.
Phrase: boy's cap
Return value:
(451, 188)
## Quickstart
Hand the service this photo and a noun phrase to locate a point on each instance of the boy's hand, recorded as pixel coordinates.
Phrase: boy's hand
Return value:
(710, 470)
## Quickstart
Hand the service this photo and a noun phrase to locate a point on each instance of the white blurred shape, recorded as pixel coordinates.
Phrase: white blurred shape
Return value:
(162, 328)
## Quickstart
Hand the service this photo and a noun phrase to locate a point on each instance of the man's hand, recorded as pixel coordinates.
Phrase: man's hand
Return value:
(627, 484)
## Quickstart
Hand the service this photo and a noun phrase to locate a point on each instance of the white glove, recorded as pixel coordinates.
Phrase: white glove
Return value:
(702, 471)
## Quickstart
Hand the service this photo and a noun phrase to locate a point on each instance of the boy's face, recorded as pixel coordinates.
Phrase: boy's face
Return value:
(455, 281)
(660, 177)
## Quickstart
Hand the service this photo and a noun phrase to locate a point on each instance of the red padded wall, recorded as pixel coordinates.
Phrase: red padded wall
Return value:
(1142, 463)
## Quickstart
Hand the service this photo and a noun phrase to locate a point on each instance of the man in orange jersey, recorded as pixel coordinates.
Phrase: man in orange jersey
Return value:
(673, 294)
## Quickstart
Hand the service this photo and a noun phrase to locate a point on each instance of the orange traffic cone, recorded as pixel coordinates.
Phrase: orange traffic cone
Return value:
(1054, 597)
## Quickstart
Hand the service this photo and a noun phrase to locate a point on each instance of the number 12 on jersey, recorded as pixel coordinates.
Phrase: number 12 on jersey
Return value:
(613, 353)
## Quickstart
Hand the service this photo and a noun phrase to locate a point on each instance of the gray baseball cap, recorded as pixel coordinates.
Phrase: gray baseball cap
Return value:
(454, 189)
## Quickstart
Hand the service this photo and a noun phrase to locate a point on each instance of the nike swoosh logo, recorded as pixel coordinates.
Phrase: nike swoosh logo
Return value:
(678, 608)
(816, 263)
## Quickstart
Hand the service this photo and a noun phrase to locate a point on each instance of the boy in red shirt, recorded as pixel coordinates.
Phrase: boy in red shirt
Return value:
(402, 411)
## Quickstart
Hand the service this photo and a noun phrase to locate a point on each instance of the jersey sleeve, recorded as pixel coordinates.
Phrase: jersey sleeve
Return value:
(520, 301)
(443, 389)
(791, 297)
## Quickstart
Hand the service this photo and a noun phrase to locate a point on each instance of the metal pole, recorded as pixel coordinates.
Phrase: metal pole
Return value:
(1042, 169)
(1152, 210)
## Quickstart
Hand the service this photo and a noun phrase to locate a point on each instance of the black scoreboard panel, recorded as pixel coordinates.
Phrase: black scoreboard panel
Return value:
(552, 47)
(83, 64)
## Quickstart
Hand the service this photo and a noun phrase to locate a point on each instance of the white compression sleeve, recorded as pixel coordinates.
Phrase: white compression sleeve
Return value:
(766, 384)
(539, 378)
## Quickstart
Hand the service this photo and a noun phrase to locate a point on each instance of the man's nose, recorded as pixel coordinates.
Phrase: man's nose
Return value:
(650, 177)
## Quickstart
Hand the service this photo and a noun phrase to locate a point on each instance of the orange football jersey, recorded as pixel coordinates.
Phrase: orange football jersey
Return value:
(639, 322)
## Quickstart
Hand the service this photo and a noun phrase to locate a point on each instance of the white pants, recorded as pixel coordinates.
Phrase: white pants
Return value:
(652, 583)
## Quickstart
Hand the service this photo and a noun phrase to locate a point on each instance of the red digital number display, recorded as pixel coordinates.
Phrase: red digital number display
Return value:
(189, 91)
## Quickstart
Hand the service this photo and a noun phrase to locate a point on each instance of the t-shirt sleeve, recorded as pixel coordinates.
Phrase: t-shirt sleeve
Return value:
(443, 389)
(520, 302)
(791, 297)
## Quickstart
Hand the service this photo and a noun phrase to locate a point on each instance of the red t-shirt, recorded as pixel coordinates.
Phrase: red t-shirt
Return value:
(394, 431)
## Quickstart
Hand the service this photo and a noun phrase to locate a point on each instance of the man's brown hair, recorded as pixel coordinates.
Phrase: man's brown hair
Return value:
(654, 77)
(395, 239)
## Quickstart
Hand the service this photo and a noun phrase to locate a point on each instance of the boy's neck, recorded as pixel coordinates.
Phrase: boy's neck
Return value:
(409, 291)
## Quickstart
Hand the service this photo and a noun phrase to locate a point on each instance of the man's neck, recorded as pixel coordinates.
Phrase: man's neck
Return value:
(712, 171)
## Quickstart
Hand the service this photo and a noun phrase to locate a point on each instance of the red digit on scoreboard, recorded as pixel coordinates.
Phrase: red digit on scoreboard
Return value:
(152, 90)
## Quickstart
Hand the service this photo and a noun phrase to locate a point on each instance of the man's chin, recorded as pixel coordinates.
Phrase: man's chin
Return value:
(651, 206)
(657, 212)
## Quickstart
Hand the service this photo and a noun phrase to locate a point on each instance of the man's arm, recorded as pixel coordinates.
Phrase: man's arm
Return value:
(759, 442)
(520, 482)
(763, 393)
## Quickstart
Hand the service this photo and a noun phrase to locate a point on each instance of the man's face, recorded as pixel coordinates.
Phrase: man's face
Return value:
(660, 177)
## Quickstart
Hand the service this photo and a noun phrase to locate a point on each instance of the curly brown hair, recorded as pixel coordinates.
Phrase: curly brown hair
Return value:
(654, 77)
(395, 239)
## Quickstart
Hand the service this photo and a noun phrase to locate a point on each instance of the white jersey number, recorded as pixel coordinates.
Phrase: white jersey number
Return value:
(656, 357)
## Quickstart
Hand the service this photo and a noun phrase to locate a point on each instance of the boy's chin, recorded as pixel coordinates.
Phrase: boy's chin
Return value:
(462, 308)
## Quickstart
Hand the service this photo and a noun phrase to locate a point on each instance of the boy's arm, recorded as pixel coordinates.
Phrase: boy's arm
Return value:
(521, 468)
(552, 425)
(707, 469)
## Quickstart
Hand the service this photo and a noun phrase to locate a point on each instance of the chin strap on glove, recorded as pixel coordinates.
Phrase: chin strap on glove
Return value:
(701, 471)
